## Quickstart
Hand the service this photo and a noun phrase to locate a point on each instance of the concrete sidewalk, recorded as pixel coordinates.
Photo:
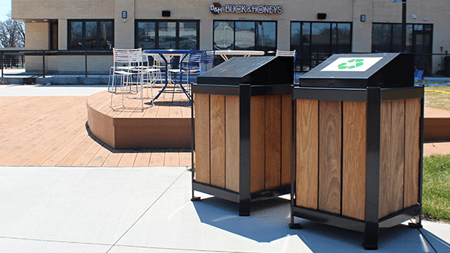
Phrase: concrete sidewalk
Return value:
(149, 210)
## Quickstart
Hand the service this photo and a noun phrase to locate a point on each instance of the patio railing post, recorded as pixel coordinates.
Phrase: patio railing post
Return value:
(85, 61)
(43, 64)
(1, 63)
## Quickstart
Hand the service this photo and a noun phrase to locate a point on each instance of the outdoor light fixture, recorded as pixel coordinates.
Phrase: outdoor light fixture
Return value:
(124, 14)
(166, 13)
(363, 18)
(321, 15)
(414, 16)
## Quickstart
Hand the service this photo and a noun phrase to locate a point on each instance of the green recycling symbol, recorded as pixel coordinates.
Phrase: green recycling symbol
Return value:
(351, 64)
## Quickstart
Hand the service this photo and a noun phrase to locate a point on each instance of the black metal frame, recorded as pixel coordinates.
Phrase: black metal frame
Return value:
(83, 31)
(300, 46)
(256, 32)
(45, 53)
(245, 92)
(371, 225)
(177, 31)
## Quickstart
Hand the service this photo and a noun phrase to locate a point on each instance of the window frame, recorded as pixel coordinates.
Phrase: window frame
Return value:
(255, 27)
(177, 31)
(413, 31)
(83, 32)
(331, 45)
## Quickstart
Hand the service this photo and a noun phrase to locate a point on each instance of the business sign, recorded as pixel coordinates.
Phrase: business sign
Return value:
(359, 64)
(217, 8)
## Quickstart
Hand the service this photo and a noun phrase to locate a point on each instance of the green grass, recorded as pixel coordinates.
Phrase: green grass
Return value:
(436, 188)
(437, 97)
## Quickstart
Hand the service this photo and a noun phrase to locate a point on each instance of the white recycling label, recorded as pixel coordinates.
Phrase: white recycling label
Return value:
(359, 64)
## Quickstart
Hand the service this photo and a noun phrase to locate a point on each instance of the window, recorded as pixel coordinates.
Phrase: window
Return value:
(155, 34)
(387, 37)
(316, 41)
(91, 34)
(245, 35)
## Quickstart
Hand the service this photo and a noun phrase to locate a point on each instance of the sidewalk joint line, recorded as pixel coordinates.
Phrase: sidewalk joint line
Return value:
(53, 241)
(146, 211)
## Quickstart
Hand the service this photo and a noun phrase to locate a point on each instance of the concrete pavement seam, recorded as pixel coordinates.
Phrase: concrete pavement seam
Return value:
(145, 211)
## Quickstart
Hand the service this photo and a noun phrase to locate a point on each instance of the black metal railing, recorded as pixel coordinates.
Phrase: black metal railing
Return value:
(432, 64)
(16, 58)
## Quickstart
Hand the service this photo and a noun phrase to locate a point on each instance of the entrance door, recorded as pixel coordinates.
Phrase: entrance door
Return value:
(421, 45)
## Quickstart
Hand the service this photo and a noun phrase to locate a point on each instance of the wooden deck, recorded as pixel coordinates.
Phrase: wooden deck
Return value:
(164, 125)
(52, 131)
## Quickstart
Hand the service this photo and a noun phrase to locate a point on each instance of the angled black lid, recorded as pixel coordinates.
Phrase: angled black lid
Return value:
(251, 70)
(362, 70)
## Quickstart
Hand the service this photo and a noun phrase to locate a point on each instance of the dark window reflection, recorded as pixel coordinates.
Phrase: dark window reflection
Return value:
(91, 35)
(146, 35)
(188, 35)
(387, 37)
(266, 36)
(316, 41)
(167, 35)
(106, 35)
(76, 35)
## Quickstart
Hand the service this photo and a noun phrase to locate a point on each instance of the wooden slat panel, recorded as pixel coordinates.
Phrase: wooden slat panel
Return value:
(202, 152)
(354, 160)
(330, 145)
(286, 139)
(257, 149)
(412, 151)
(232, 143)
(217, 121)
(273, 142)
(307, 153)
(385, 153)
(398, 155)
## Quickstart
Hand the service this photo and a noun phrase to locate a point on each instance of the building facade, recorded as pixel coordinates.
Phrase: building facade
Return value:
(316, 29)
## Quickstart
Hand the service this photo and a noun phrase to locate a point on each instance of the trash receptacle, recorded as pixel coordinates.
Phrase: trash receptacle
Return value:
(242, 119)
(358, 123)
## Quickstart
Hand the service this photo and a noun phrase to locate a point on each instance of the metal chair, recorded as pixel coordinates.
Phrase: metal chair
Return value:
(128, 65)
(418, 77)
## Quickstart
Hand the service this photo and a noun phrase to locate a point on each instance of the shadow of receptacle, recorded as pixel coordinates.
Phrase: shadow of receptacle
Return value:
(269, 221)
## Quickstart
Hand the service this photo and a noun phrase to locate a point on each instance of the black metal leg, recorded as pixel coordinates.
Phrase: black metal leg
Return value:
(293, 225)
(417, 223)
(195, 198)
(244, 207)
(371, 236)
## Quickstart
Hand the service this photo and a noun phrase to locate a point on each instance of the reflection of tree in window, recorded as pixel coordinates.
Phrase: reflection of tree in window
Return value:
(167, 35)
(188, 35)
(76, 30)
(91, 35)
(381, 37)
(106, 35)
(266, 36)
(146, 35)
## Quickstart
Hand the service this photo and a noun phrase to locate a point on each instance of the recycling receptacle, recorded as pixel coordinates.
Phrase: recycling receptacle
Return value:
(242, 119)
(358, 123)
